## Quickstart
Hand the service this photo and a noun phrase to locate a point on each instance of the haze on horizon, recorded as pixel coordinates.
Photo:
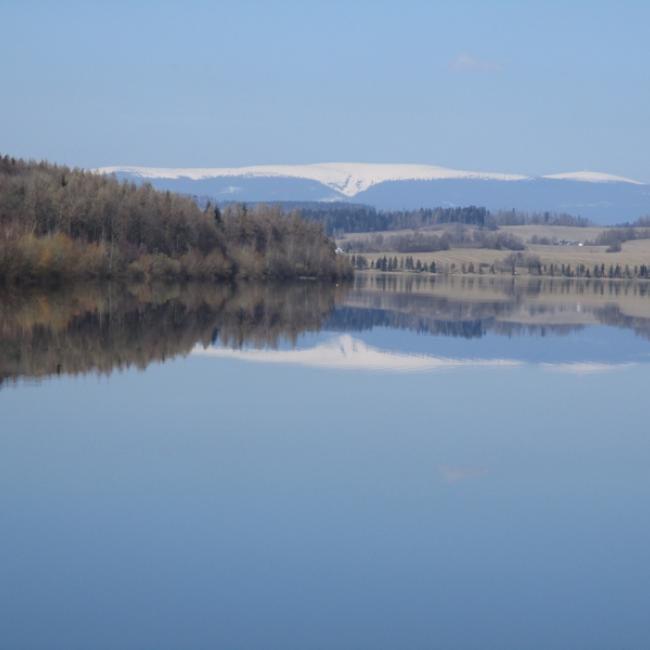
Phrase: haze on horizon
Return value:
(518, 89)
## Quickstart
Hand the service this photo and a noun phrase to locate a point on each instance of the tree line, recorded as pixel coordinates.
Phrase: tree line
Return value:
(408, 263)
(426, 242)
(62, 223)
(340, 217)
(614, 238)
(512, 263)
(520, 218)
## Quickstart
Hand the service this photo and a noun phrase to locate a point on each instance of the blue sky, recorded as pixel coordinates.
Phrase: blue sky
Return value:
(533, 87)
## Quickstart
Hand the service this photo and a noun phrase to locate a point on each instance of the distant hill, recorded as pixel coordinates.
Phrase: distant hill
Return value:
(603, 198)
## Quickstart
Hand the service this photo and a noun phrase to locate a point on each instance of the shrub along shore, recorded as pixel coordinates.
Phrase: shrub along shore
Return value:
(58, 224)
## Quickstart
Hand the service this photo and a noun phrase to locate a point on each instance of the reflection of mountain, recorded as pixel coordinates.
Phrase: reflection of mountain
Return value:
(346, 353)
(93, 328)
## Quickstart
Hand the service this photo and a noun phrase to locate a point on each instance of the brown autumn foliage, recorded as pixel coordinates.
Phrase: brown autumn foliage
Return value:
(58, 223)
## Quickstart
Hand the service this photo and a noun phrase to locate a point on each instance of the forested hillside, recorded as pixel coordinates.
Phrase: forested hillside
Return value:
(58, 223)
(340, 217)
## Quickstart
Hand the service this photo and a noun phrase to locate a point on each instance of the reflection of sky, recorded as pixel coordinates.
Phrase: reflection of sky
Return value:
(593, 343)
(250, 498)
(252, 505)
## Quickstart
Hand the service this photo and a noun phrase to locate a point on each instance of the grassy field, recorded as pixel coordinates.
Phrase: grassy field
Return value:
(633, 253)
(526, 233)
(560, 233)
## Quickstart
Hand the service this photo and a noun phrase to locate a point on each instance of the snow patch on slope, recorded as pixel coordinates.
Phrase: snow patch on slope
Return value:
(592, 177)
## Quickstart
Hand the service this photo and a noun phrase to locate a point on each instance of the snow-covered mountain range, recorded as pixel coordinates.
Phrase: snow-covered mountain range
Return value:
(603, 197)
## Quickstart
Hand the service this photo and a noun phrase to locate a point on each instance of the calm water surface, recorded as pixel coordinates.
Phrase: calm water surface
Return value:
(403, 463)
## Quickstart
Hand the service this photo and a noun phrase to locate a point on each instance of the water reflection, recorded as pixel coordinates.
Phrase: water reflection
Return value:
(102, 328)
(99, 328)
(268, 491)
(347, 353)
(472, 307)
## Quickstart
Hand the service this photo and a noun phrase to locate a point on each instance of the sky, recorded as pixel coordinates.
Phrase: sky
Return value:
(524, 87)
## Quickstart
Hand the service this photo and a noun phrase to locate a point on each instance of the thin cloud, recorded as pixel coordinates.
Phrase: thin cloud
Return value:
(465, 62)
(453, 475)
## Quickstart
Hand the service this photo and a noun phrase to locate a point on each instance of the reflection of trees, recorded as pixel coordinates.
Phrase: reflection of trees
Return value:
(471, 307)
(612, 315)
(468, 327)
(505, 287)
(98, 328)
(102, 328)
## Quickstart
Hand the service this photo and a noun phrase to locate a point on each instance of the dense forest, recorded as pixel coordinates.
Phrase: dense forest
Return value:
(61, 223)
(338, 218)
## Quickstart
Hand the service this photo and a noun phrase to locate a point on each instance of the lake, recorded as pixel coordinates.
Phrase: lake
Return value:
(409, 461)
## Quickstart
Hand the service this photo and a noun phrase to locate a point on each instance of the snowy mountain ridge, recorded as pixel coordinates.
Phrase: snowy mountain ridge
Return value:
(604, 198)
(349, 179)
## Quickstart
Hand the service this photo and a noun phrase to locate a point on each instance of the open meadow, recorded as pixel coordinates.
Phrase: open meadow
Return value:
(571, 247)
